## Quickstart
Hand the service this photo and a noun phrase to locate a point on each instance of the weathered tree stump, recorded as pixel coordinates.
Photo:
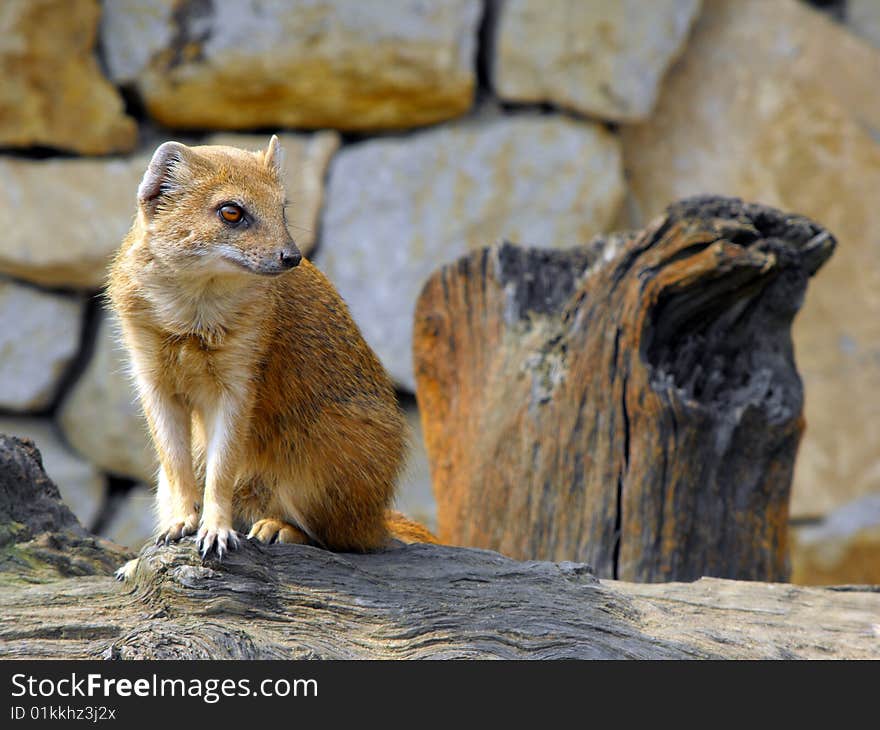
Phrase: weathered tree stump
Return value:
(418, 601)
(633, 404)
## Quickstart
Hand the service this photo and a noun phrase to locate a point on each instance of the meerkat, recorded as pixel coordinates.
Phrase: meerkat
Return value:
(269, 412)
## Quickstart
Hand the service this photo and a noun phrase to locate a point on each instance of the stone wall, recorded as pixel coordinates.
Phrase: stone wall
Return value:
(416, 131)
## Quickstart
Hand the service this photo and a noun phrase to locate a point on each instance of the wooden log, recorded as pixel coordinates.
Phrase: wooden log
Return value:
(40, 538)
(633, 404)
(419, 601)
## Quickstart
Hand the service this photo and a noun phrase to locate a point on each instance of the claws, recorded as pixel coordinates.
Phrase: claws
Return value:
(221, 540)
(178, 530)
(271, 530)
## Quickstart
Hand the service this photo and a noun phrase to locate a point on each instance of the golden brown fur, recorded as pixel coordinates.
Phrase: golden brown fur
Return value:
(268, 410)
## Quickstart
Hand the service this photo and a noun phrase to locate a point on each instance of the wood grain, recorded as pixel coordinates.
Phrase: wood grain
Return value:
(633, 404)
(414, 602)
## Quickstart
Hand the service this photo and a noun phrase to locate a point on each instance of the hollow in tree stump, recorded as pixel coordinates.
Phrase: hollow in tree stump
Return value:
(633, 404)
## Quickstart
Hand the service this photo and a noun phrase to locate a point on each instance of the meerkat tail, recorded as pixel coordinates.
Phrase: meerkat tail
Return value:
(407, 530)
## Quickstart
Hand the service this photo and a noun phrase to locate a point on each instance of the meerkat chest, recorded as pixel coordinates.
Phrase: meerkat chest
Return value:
(192, 367)
(194, 358)
(204, 372)
(207, 345)
(197, 371)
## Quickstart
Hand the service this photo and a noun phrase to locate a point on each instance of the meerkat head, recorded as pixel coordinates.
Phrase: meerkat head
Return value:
(217, 210)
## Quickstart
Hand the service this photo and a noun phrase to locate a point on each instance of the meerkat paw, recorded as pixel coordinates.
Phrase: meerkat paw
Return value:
(218, 539)
(126, 572)
(270, 530)
(177, 529)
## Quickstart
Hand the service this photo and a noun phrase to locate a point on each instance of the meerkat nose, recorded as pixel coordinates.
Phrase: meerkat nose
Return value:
(289, 257)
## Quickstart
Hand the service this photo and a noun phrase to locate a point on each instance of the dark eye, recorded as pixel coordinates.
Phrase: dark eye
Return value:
(231, 213)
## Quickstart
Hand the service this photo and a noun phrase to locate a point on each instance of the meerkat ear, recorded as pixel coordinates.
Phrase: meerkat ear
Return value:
(161, 175)
(273, 157)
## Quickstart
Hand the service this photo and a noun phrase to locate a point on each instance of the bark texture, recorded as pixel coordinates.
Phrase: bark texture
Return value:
(633, 404)
(419, 601)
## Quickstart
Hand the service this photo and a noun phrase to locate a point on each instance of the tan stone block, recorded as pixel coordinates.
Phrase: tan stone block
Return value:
(39, 338)
(346, 64)
(863, 17)
(101, 416)
(133, 522)
(415, 497)
(63, 218)
(843, 548)
(604, 58)
(53, 93)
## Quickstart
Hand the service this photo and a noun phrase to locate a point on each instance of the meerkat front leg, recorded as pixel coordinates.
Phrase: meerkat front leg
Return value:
(178, 494)
(224, 432)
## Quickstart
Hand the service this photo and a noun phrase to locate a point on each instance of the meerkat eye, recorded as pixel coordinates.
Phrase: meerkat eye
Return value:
(231, 213)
